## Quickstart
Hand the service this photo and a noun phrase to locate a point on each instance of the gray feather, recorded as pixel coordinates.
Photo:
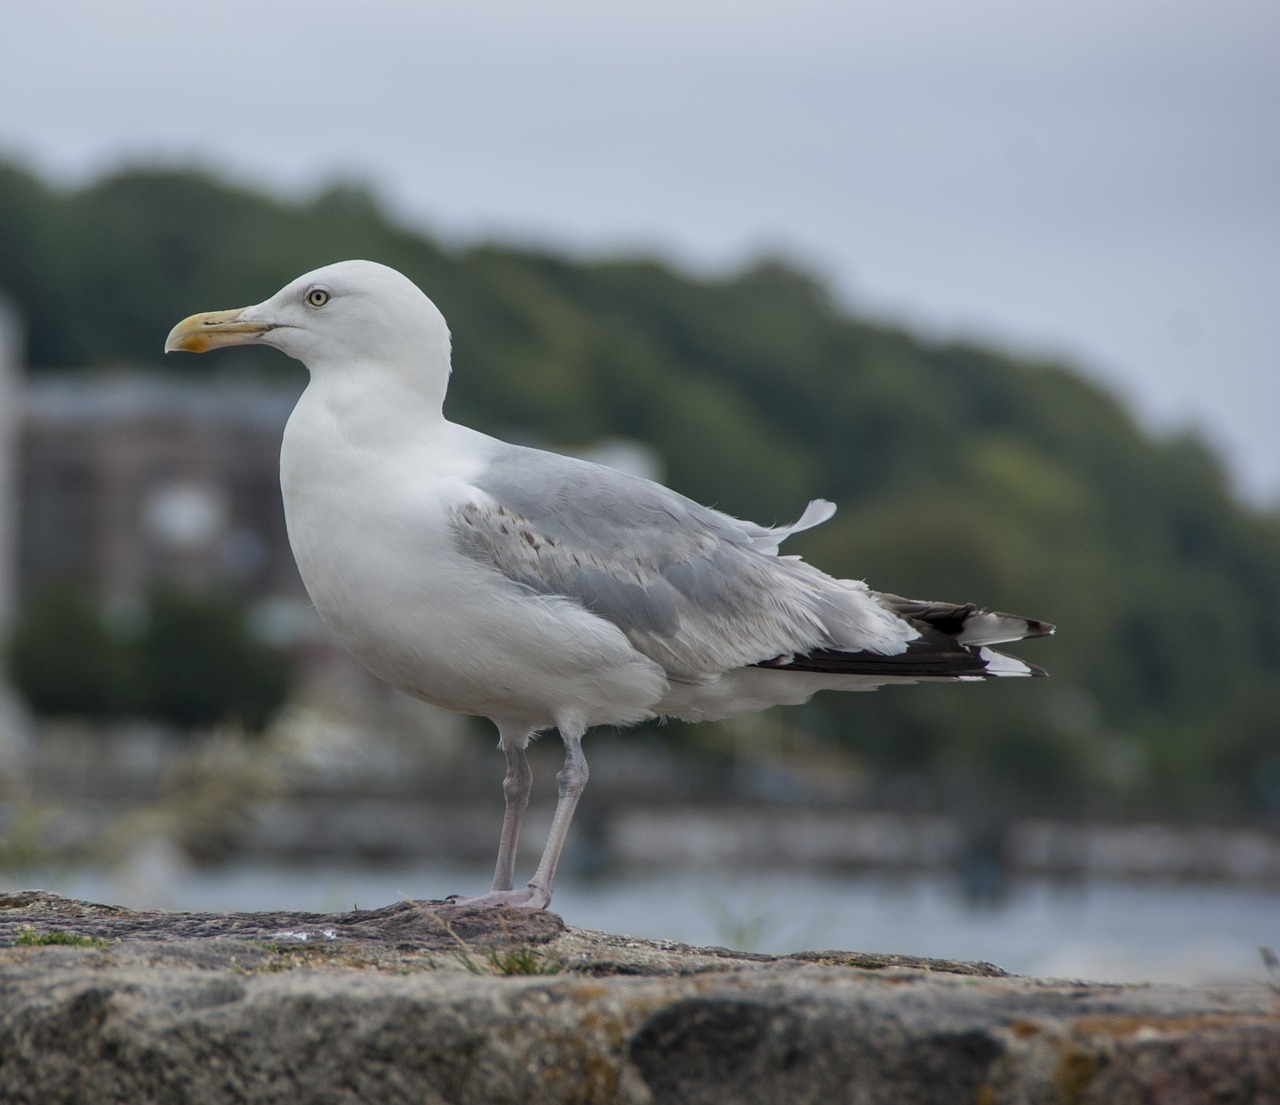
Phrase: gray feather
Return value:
(693, 589)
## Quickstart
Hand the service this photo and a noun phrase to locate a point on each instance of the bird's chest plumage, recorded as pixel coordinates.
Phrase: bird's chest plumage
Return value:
(372, 530)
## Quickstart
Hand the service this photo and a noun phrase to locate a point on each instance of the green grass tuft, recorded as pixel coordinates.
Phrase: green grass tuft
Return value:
(522, 960)
(28, 937)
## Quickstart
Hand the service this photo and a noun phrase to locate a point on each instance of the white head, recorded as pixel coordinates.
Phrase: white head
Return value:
(355, 314)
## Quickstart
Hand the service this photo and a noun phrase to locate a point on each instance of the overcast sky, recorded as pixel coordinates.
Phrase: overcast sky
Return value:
(1099, 178)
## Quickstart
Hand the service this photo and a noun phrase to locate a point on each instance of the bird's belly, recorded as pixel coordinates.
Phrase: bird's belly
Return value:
(451, 631)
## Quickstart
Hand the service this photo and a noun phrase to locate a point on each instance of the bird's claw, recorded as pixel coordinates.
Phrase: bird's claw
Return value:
(527, 897)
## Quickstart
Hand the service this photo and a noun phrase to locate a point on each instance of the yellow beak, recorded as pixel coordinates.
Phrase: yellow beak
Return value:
(214, 330)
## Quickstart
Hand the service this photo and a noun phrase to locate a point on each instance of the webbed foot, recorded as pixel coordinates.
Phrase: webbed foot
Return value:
(527, 897)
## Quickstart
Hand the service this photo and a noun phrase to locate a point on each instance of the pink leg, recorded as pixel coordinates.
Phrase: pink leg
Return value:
(515, 790)
(572, 778)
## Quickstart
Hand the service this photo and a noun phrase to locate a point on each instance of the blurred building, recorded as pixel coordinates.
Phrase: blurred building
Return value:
(120, 481)
(127, 480)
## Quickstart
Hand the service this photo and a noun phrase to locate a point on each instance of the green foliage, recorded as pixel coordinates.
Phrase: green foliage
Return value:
(66, 662)
(960, 473)
(191, 661)
(28, 937)
(201, 664)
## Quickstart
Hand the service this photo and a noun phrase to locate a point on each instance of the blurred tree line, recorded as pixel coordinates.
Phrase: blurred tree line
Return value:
(961, 473)
(189, 660)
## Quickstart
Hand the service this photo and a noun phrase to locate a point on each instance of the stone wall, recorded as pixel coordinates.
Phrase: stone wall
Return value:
(429, 1002)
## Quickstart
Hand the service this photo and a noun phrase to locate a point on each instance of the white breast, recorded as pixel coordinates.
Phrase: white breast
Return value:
(369, 523)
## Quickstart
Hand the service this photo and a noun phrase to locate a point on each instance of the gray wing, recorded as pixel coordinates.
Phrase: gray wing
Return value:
(696, 591)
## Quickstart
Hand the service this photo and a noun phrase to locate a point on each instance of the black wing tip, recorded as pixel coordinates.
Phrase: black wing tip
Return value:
(926, 660)
(1031, 627)
(951, 618)
(940, 652)
(1037, 628)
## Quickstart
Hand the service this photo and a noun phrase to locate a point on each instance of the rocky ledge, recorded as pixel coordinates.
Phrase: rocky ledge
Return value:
(432, 1002)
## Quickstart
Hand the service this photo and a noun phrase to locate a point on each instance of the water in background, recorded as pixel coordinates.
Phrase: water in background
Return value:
(1103, 931)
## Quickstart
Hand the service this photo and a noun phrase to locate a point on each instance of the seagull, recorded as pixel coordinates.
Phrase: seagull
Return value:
(539, 590)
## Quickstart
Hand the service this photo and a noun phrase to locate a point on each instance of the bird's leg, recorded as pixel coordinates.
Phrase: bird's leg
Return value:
(515, 790)
(572, 778)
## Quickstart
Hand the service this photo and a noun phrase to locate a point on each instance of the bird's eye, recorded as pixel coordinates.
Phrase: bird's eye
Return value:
(317, 297)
